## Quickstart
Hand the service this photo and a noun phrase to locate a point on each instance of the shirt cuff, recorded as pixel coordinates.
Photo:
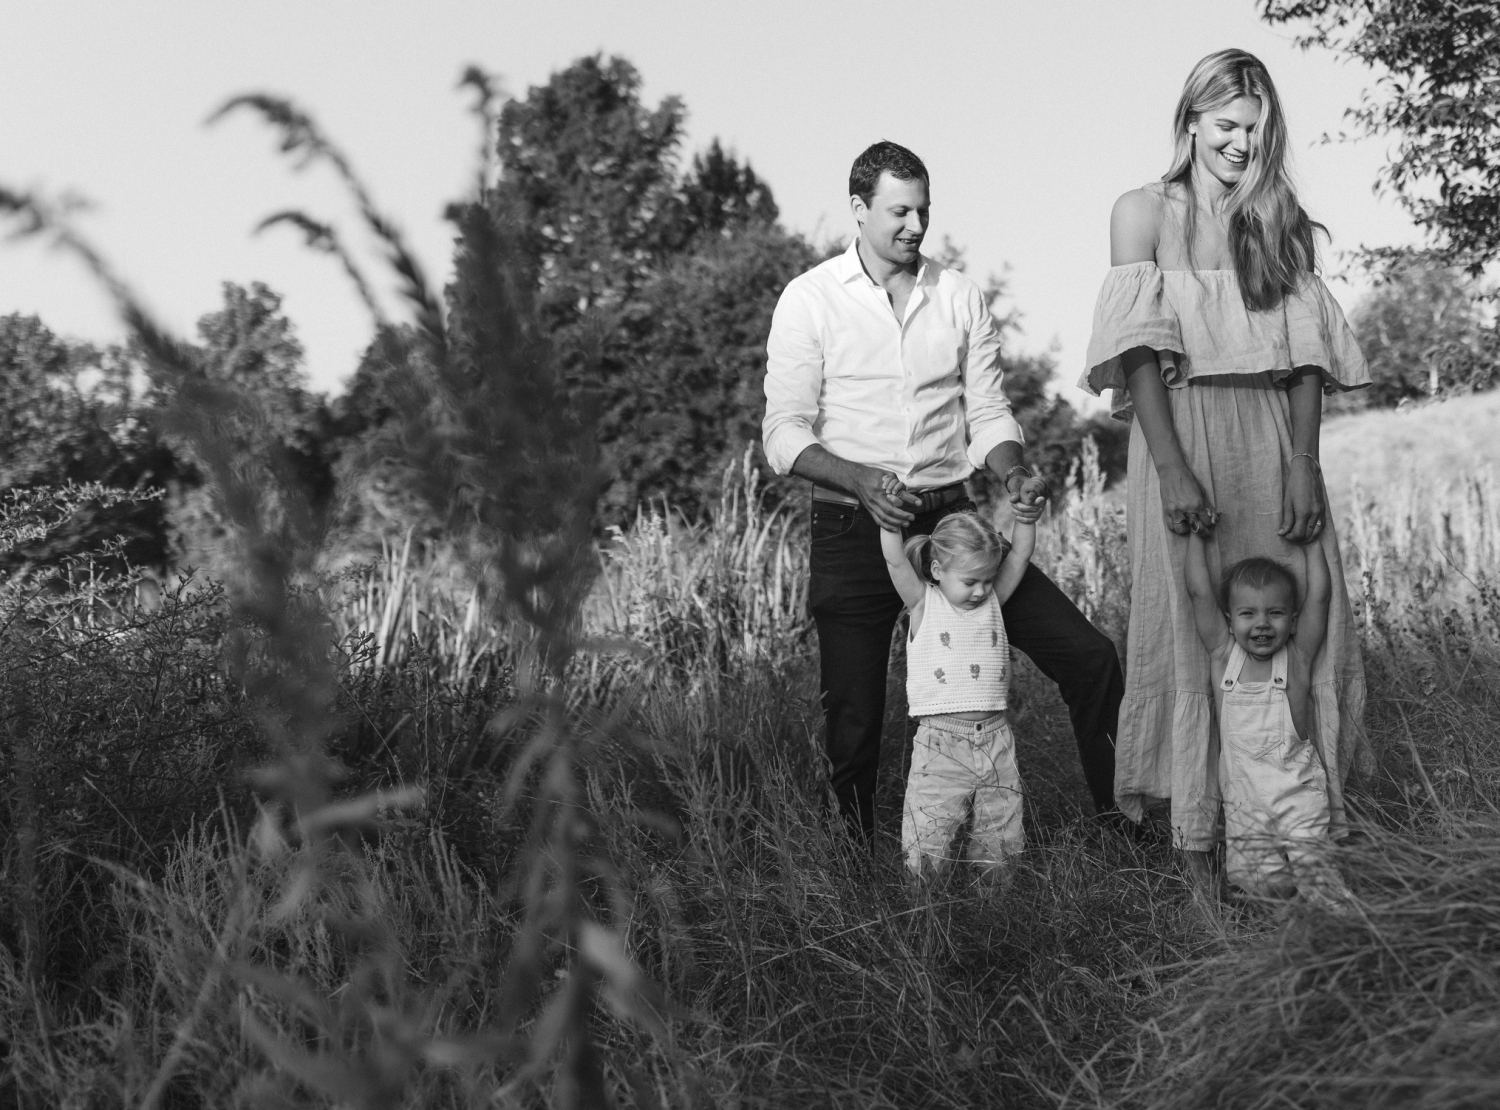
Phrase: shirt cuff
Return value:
(1003, 429)
(785, 444)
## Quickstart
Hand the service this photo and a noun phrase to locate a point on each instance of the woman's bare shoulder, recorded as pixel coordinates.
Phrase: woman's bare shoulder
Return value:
(1135, 227)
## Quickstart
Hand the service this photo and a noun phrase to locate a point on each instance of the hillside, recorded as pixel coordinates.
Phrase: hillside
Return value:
(1384, 449)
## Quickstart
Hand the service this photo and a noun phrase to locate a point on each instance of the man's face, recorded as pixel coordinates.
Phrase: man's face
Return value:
(893, 223)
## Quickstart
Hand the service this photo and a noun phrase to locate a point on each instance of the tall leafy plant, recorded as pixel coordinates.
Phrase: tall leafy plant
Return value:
(498, 448)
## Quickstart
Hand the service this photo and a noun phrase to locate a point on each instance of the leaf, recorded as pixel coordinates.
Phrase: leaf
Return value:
(362, 811)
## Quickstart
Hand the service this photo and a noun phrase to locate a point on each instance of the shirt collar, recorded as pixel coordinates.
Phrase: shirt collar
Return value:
(851, 268)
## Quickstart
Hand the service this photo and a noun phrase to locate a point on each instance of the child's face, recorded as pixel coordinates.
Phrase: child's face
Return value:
(965, 582)
(1262, 618)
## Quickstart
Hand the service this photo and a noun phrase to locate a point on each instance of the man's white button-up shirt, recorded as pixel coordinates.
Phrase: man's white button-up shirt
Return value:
(920, 397)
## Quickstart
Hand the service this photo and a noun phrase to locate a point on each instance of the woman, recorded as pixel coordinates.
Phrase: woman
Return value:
(1213, 330)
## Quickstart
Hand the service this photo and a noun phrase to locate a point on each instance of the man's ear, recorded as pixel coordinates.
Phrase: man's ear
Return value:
(859, 208)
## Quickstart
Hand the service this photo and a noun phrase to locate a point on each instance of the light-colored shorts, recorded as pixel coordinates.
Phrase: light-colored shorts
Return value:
(958, 767)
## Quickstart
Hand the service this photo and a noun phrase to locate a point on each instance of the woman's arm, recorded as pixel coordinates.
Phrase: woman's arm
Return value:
(911, 588)
(1133, 234)
(1213, 629)
(1312, 621)
(1302, 496)
(1022, 544)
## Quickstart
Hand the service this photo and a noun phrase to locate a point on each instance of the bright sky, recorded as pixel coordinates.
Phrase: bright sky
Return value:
(1031, 116)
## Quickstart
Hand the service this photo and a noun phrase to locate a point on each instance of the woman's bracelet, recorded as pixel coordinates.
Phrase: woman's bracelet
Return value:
(1317, 467)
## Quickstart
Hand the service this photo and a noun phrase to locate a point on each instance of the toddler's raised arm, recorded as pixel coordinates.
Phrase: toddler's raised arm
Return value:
(1022, 544)
(1312, 620)
(911, 588)
(1213, 629)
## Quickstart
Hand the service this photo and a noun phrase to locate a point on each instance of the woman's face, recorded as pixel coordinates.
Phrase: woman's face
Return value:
(1221, 139)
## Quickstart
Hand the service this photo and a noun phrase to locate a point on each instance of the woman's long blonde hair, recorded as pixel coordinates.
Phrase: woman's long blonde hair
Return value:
(1270, 236)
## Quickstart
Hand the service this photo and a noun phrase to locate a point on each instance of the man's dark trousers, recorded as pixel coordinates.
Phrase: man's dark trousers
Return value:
(855, 608)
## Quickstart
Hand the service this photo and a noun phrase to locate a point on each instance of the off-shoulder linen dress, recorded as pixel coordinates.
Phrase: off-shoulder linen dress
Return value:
(1225, 368)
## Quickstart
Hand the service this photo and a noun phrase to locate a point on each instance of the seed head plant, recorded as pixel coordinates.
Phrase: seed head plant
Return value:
(499, 445)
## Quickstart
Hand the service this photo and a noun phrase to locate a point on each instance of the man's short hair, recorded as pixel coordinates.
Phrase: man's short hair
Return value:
(884, 157)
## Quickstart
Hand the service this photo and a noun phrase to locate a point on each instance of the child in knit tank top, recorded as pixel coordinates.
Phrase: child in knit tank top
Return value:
(957, 678)
(1261, 647)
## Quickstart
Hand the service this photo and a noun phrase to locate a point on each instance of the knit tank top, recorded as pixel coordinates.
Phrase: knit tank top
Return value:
(959, 660)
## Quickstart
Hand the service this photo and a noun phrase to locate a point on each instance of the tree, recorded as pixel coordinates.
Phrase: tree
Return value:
(1423, 335)
(589, 177)
(656, 286)
(69, 414)
(1439, 91)
(689, 363)
(720, 196)
(279, 429)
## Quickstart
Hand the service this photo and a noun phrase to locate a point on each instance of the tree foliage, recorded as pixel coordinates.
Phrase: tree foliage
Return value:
(1438, 92)
(657, 283)
(249, 347)
(589, 174)
(71, 414)
(1424, 335)
(653, 277)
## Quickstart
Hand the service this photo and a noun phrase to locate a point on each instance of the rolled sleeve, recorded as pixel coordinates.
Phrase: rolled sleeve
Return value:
(794, 380)
(986, 407)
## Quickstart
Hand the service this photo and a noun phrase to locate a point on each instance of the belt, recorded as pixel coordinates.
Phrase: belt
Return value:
(931, 499)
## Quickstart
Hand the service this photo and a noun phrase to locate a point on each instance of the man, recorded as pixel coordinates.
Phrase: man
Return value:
(882, 361)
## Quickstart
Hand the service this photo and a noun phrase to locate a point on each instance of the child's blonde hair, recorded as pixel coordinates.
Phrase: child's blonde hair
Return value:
(1257, 572)
(957, 536)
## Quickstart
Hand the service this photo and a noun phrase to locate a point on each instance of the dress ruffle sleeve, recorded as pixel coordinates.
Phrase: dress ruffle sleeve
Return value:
(1132, 311)
(1197, 323)
(1318, 335)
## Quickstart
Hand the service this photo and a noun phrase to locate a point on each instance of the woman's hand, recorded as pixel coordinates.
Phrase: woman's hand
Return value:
(1302, 504)
(1184, 504)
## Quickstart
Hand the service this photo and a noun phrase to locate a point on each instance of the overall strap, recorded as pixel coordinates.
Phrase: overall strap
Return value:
(1278, 667)
(1233, 666)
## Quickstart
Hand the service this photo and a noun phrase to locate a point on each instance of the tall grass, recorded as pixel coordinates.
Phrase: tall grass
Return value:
(802, 972)
(1427, 546)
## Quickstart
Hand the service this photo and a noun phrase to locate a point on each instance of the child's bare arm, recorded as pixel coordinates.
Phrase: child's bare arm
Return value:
(1213, 629)
(911, 588)
(1022, 544)
(1312, 621)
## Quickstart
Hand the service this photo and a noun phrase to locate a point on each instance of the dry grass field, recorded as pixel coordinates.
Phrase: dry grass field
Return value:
(168, 943)
(1432, 444)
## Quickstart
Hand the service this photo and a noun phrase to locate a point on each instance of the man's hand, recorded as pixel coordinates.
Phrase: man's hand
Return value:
(1028, 490)
(879, 491)
(882, 495)
(1028, 497)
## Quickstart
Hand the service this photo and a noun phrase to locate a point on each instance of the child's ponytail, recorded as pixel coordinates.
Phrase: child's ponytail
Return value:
(918, 552)
(956, 537)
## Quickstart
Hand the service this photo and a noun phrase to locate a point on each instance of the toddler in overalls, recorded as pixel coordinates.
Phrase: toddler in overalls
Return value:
(1271, 778)
(957, 680)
